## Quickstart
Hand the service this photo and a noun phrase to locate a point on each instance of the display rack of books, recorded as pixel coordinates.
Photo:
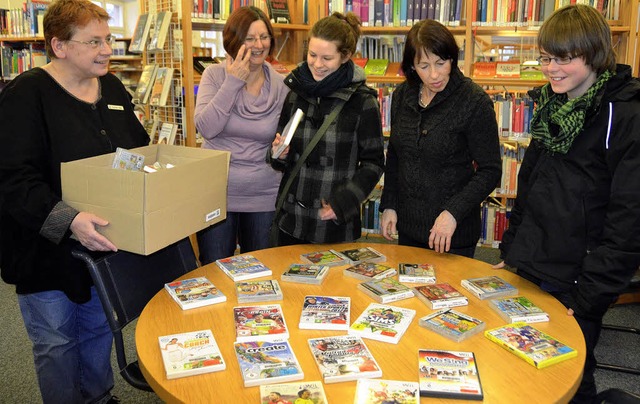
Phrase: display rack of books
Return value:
(19, 54)
(125, 65)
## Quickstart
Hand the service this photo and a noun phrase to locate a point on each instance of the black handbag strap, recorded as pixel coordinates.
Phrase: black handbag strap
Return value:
(296, 169)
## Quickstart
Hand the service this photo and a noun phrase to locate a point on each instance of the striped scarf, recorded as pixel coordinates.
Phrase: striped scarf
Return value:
(568, 115)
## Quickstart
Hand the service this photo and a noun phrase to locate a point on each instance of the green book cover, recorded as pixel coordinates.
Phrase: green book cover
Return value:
(376, 67)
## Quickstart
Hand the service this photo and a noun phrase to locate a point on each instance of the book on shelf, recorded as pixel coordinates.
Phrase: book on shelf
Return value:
(364, 254)
(518, 309)
(534, 346)
(145, 83)
(260, 323)
(416, 273)
(278, 11)
(194, 292)
(325, 313)
(382, 322)
(360, 61)
(140, 33)
(200, 63)
(343, 358)
(161, 87)
(440, 296)
(367, 271)
(305, 273)
(380, 391)
(243, 267)
(124, 159)
(258, 291)
(449, 374)
(489, 287)
(303, 392)
(190, 353)
(168, 132)
(330, 258)
(376, 67)
(386, 290)
(158, 35)
(287, 133)
(452, 324)
(266, 362)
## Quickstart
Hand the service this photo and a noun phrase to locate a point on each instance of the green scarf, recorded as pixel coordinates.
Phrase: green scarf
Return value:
(568, 115)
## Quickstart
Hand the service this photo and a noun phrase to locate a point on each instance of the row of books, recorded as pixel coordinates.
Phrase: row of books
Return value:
(521, 13)
(277, 10)
(389, 47)
(151, 32)
(154, 85)
(513, 114)
(25, 21)
(16, 61)
(400, 13)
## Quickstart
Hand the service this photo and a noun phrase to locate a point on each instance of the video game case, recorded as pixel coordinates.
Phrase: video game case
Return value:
(382, 322)
(489, 287)
(302, 392)
(343, 358)
(330, 258)
(243, 267)
(260, 323)
(190, 353)
(265, 362)
(325, 313)
(367, 271)
(452, 324)
(379, 391)
(449, 374)
(258, 291)
(518, 309)
(194, 292)
(364, 254)
(127, 160)
(416, 273)
(440, 296)
(386, 290)
(305, 273)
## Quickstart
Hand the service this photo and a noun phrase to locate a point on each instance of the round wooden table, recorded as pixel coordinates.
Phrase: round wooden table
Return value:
(505, 378)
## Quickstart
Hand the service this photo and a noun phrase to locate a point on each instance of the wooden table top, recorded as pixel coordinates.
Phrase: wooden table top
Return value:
(505, 378)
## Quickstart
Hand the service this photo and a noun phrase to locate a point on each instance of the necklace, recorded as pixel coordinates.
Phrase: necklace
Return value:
(422, 104)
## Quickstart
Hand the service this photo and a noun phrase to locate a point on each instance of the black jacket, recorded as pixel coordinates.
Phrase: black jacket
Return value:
(443, 157)
(576, 220)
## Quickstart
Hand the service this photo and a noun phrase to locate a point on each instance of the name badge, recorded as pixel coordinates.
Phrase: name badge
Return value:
(115, 107)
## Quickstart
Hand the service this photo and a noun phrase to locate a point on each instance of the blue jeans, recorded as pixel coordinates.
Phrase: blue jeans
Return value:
(249, 229)
(71, 347)
(410, 242)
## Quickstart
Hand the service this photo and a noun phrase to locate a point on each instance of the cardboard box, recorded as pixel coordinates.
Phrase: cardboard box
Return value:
(148, 211)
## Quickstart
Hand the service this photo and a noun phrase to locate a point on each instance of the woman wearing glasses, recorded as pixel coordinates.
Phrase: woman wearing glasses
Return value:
(69, 109)
(237, 109)
(574, 226)
(443, 157)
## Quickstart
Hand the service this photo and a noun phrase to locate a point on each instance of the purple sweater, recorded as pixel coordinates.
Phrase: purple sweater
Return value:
(229, 118)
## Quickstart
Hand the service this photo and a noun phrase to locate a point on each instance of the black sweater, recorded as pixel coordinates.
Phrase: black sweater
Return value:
(443, 157)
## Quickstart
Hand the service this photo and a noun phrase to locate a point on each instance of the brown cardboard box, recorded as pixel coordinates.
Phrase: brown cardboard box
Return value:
(148, 211)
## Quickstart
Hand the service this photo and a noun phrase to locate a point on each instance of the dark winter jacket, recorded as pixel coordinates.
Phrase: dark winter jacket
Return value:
(576, 219)
(343, 168)
(430, 159)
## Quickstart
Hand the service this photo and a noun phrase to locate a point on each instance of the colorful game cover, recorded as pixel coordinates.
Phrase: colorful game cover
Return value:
(449, 374)
(379, 391)
(260, 323)
(194, 292)
(190, 353)
(263, 362)
(305, 273)
(489, 287)
(382, 322)
(343, 358)
(304, 392)
(452, 324)
(329, 258)
(386, 290)
(532, 345)
(325, 313)
(440, 295)
(258, 291)
(364, 254)
(518, 308)
(367, 271)
(243, 267)
(416, 273)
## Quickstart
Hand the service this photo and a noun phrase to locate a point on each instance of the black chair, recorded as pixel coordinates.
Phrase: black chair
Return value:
(633, 288)
(616, 396)
(125, 282)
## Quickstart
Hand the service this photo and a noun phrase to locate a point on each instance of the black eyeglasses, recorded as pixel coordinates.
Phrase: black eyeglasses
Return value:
(546, 60)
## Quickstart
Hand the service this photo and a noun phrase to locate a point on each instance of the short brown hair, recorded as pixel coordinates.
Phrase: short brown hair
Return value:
(428, 36)
(579, 30)
(64, 17)
(343, 30)
(237, 26)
